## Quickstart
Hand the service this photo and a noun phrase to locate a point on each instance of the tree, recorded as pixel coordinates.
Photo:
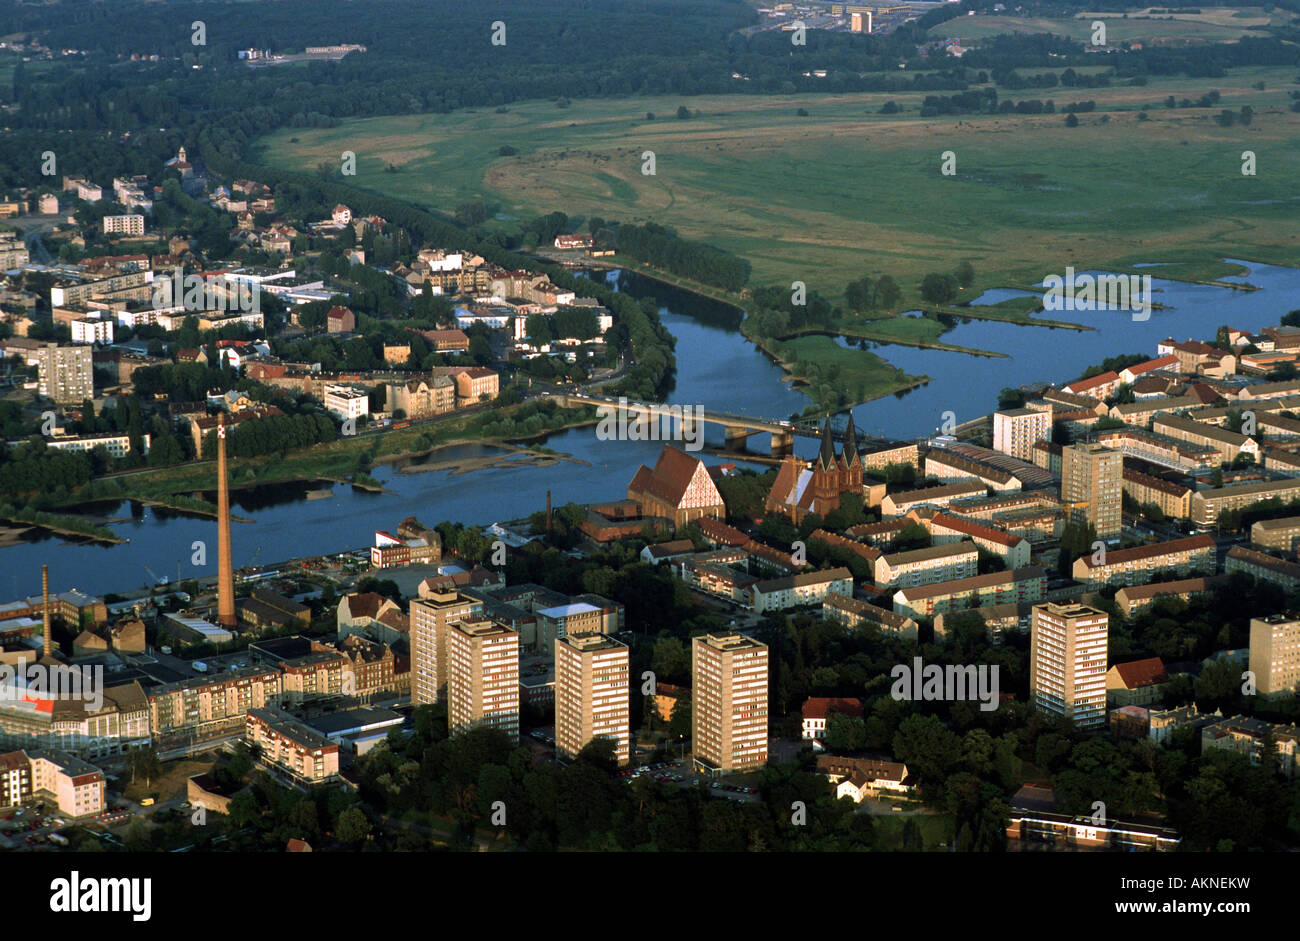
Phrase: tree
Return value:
(845, 733)
(143, 763)
(683, 112)
(353, 827)
(938, 288)
(1071, 120)
(965, 274)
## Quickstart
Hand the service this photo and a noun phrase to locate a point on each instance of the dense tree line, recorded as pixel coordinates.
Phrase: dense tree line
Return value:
(661, 247)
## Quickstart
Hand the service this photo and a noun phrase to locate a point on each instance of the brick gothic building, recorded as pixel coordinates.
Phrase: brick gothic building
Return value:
(800, 490)
(679, 488)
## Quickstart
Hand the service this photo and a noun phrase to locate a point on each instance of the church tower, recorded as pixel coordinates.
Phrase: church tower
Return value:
(826, 475)
(851, 477)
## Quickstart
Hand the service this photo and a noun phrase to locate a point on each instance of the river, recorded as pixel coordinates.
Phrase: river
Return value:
(716, 368)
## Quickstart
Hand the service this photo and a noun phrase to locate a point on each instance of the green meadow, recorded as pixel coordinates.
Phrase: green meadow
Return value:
(846, 191)
(843, 190)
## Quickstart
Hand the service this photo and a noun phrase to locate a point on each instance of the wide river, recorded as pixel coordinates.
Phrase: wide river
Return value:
(716, 368)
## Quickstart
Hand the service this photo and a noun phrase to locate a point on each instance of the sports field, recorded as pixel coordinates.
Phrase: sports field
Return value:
(846, 191)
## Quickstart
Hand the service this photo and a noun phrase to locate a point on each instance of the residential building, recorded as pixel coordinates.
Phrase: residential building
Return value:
(729, 708)
(422, 397)
(124, 225)
(1229, 444)
(1013, 550)
(900, 504)
(856, 614)
(1136, 683)
(1100, 386)
(1208, 504)
(1275, 654)
(860, 778)
(1173, 499)
(1091, 487)
(1263, 566)
(347, 402)
(1138, 565)
(778, 594)
(1283, 534)
(941, 563)
(1248, 737)
(1067, 662)
(817, 712)
(92, 330)
(1021, 586)
(591, 694)
(292, 748)
(67, 373)
(483, 677)
(430, 617)
(1133, 599)
(560, 621)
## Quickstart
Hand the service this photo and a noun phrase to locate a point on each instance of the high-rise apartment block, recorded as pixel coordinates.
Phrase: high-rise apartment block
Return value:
(429, 618)
(591, 694)
(482, 677)
(1015, 430)
(729, 701)
(67, 373)
(1092, 484)
(1067, 662)
(1275, 654)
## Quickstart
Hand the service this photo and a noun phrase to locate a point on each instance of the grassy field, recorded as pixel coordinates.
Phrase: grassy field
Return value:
(1211, 24)
(844, 191)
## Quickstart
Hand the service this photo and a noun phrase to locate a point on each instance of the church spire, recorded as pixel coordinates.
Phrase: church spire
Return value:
(850, 451)
(826, 459)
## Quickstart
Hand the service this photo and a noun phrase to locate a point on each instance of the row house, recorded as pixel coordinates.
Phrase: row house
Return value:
(856, 614)
(1262, 566)
(1229, 444)
(1132, 600)
(1021, 586)
(778, 594)
(1208, 504)
(939, 563)
(1173, 499)
(1135, 566)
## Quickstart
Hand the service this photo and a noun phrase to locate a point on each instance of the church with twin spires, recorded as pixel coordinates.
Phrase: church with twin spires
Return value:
(800, 489)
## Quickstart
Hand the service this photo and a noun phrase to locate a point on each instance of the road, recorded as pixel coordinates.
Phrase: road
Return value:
(34, 229)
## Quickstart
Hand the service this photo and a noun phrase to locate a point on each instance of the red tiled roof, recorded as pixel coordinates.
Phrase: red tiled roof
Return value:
(1160, 362)
(1100, 380)
(976, 530)
(822, 707)
(670, 478)
(719, 531)
(1139, 673)
(1155, 550)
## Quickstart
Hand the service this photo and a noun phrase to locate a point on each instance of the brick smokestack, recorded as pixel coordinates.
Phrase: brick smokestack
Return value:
(225, 571)
(45, 610)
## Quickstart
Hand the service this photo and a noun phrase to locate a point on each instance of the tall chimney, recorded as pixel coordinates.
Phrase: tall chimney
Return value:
(225, 570)
(45, 610)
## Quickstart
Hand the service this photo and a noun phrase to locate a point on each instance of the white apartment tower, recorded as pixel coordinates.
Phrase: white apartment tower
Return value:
(1067, 662)
(591, 694)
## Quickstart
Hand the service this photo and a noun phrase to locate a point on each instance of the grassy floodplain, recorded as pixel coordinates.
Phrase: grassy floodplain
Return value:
(846, 191)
